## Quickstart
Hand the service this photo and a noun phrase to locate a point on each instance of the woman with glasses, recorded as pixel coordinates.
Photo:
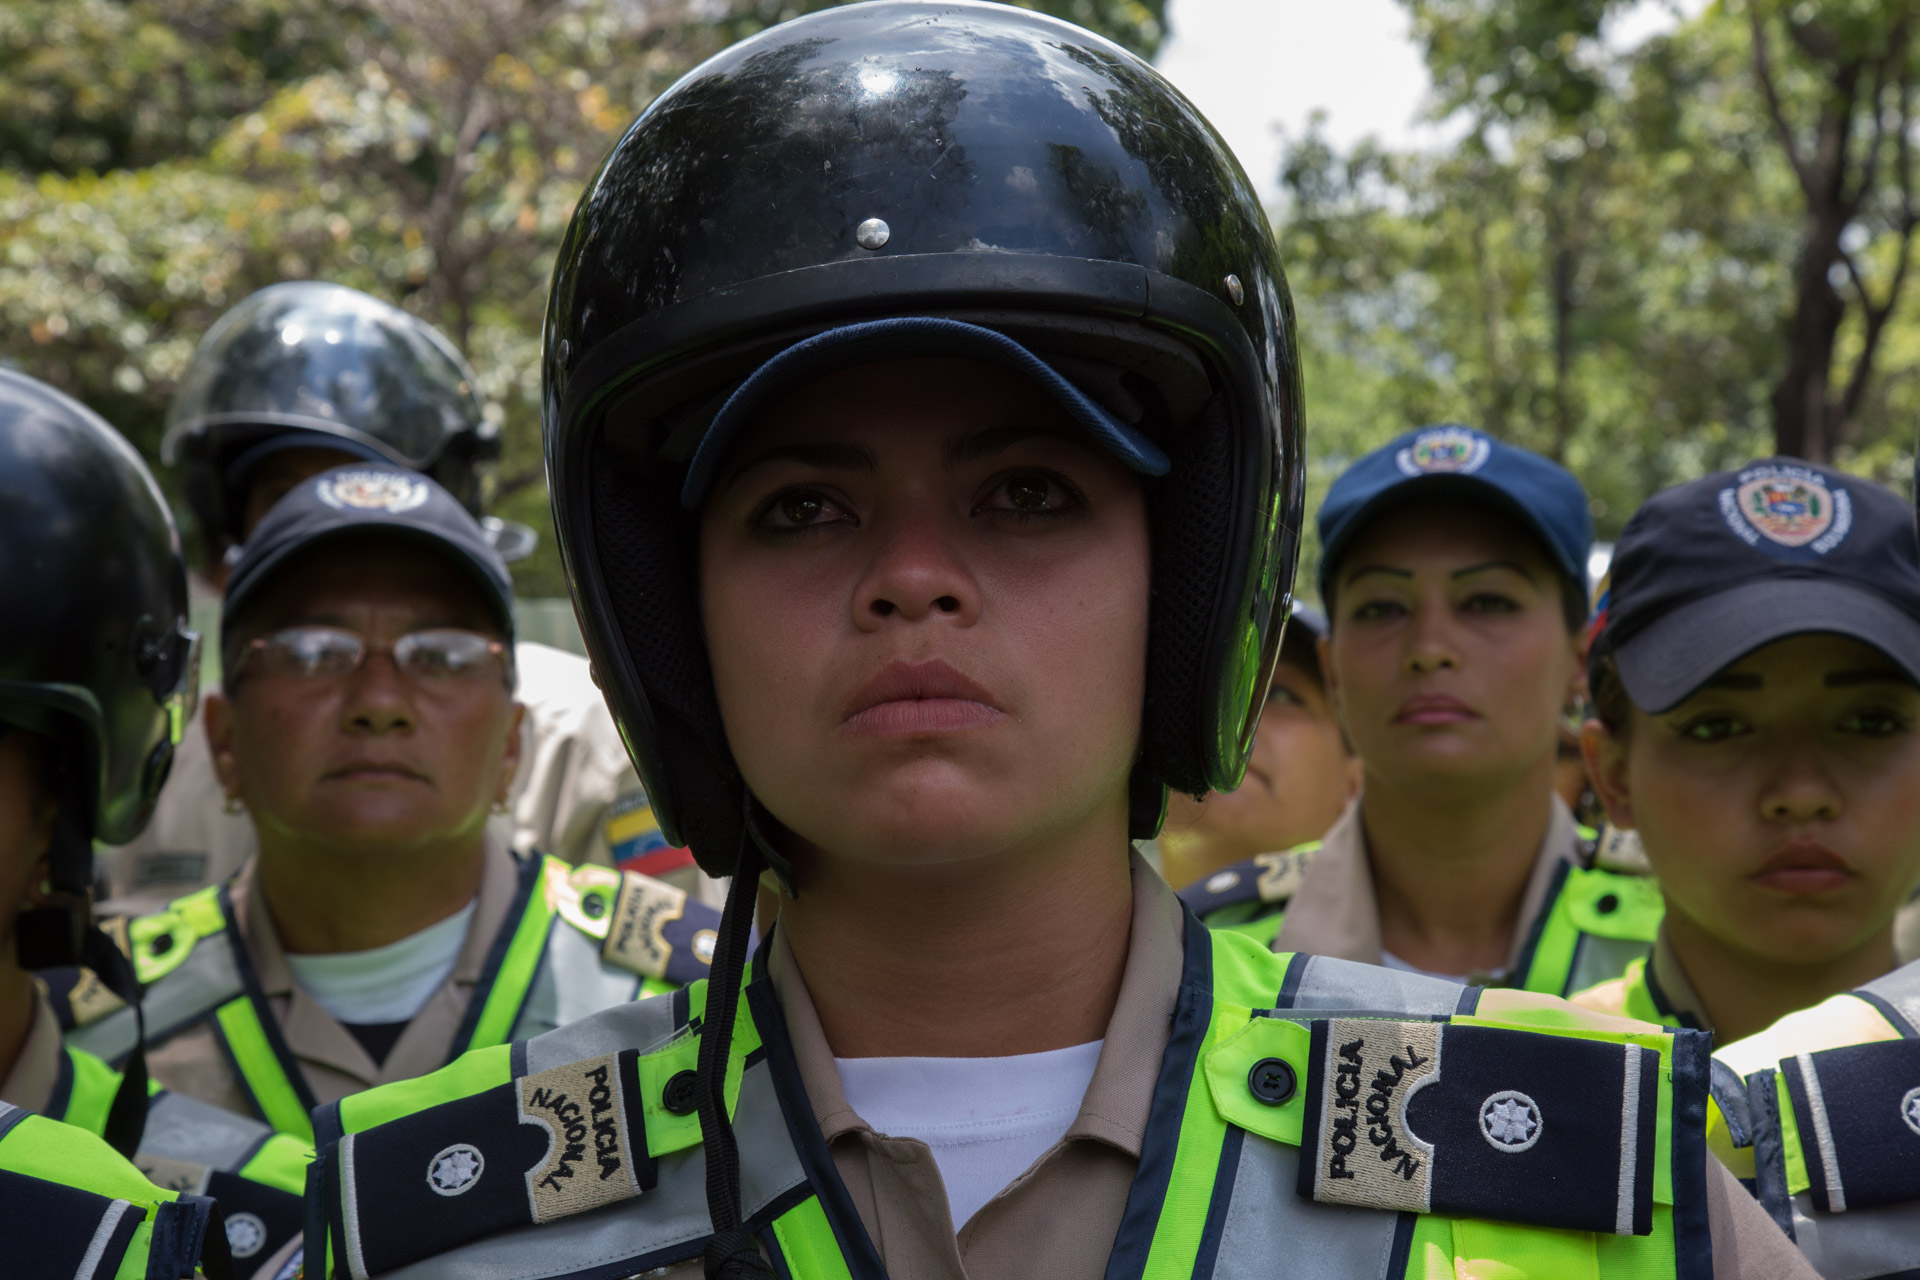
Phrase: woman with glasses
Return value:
(367, 727)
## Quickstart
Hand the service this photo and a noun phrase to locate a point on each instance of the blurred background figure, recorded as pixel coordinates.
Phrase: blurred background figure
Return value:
(1454, 572)
(302, 377)
(1300, 778)
(366, 727)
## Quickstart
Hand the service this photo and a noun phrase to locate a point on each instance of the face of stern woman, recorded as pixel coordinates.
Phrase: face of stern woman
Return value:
(925, 595)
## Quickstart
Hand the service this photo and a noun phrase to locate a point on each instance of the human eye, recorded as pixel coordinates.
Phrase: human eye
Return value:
(1490, 602)
(799, 509)
(1282, 694)
(443, 653)
(1877, 722)
(1377, 610)
(1027, 495)
(1713, 726)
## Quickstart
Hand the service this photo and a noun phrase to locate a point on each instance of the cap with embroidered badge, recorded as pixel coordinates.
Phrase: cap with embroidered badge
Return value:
(362, 498)
(1711, 570)
(1447, 462)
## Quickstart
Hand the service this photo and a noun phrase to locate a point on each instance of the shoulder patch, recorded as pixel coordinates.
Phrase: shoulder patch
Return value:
(1857, 1110)
(77, 996)
(538, 1148)
(1481, 1122)
(1270, 878)
(634, 838)
(657, 931)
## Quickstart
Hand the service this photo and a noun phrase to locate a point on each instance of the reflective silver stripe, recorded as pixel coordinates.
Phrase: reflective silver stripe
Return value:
(1901, 989)
(1268, 1221)
(204, 981)
(1629, 1142)
(1326, 983)
(1597, 960)
(102, 1237)
(673, 1213)
(572, 983)
(1860, 1244)
(350, 1209)
(1822, 1132)
(642, 1025)
(183, 1128)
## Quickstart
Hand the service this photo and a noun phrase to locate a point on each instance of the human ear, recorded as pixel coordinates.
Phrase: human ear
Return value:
(510, 756)
(219, 723)
(1605, 754)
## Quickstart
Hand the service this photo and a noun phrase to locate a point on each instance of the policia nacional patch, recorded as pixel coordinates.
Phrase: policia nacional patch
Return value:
(1481, 1122)
(541, 1147)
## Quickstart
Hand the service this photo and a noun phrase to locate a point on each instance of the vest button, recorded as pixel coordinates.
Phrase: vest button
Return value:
(682, 1094)
(1272, 1081)
(161, 944)
(593, 906)
(1607, 904)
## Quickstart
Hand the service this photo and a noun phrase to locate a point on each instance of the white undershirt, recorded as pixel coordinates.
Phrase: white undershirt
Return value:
(987, 1119)
(386, 984)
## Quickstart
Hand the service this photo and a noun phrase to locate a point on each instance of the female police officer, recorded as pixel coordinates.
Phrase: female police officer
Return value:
(984, 553)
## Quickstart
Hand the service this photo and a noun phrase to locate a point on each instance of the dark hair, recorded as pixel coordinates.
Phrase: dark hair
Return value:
(1611, 706)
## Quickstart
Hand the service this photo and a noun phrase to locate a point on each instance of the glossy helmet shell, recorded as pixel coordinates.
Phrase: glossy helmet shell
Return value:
(98, 653)
(320, 357)
(1031, 177)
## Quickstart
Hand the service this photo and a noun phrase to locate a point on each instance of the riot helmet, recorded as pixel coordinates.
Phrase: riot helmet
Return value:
(902, 160)
(314, 365)
(99, 660)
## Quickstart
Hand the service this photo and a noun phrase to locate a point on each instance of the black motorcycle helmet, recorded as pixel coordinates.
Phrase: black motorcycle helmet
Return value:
(98, 658)
(905, 158)
(313, 364)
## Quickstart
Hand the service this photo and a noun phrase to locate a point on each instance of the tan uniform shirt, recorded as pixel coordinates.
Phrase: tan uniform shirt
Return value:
(573, 784)
(1058, 1220)
(1336, 913)
(332, 1061)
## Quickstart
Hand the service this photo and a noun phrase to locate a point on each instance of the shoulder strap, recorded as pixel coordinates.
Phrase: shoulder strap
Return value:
(513, 960)
(185, 981)
(1267, 879)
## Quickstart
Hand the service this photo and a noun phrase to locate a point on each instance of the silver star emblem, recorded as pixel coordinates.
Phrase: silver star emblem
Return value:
(1511, 1121)
(455, 1169)
(1910, 1109)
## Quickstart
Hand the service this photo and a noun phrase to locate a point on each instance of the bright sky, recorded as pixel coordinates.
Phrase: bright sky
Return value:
(1256, 67)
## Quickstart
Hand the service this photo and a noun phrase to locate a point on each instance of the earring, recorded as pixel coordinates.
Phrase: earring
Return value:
(500, 805)
(234, 807)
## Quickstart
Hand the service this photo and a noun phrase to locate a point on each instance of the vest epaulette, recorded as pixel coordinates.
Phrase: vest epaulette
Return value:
(1268, 879)
(644, 926)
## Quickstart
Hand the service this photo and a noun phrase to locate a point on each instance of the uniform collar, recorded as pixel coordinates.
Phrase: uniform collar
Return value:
(1336, 912)
(1673, 995)
(36, 1072)
(1120, 1095)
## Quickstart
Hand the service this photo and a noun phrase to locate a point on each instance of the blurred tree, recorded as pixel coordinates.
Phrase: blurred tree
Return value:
(160, 159)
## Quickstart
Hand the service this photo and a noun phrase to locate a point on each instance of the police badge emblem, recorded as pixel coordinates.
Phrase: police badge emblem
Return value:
(1787, 506)
(1444, 451)
(391, 491)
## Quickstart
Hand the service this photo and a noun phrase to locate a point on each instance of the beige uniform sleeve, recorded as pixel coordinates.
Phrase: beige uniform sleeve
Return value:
(1748, 1244)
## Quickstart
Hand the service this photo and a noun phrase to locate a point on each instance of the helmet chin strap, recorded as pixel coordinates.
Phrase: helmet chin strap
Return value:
(731, 1252)
(63, 933)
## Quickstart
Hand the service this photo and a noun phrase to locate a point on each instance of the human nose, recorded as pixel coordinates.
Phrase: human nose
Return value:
(1430, 642)
(1799, 788)
(376, 698)
(916, 573)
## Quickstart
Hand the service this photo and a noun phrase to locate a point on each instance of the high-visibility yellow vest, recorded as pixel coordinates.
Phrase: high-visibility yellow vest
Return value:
(1445, 1130)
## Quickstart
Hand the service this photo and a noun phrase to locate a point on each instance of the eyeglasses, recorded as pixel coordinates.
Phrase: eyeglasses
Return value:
(329, 653)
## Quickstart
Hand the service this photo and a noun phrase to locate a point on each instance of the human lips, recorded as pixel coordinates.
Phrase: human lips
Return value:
(908, 698)
(1804, 867)
(373, 771)
(1434, 709)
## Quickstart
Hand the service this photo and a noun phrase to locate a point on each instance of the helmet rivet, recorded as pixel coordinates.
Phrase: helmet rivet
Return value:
(1234, 290)
(873, 234)
(563, 353)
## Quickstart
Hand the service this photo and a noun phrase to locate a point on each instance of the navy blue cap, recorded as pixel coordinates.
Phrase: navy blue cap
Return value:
(1709, 571)
(359, 498)
(899, 339)
(1451, 463)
